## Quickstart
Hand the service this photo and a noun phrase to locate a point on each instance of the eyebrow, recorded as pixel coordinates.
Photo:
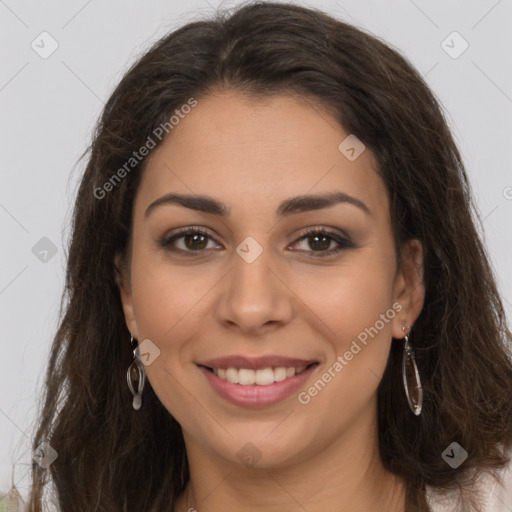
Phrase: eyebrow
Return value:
(288, 207)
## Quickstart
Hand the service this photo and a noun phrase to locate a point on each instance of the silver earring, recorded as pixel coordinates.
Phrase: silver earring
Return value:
(136, 373)
(411, 378)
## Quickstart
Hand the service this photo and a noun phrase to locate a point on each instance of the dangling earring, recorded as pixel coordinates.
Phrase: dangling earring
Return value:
(411, 378)
(136, 372)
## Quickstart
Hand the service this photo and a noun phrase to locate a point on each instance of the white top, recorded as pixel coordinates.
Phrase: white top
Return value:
(493, 496)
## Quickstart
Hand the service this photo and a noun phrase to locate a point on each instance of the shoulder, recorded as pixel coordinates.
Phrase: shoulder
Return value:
(495, 495)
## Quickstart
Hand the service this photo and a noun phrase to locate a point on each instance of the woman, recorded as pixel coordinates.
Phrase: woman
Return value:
(276, 294)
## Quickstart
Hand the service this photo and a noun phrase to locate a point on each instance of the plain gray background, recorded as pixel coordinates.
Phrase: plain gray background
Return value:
(49, 107)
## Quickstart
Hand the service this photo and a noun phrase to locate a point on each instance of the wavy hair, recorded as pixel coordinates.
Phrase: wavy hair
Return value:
(112, 458)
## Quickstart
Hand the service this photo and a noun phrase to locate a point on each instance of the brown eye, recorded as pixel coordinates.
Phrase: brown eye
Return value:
(321, 240)
(188, 240)
(195, 241)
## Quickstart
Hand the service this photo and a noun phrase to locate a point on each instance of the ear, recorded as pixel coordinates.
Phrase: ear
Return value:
(122, 277)
(409, 289)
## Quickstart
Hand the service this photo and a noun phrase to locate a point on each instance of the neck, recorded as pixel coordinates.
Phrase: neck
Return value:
(346, 476)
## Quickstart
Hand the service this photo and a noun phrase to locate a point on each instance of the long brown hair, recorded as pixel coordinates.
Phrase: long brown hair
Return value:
(112, 458)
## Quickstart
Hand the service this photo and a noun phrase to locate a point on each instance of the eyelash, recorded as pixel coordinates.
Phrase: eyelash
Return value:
(343, 243)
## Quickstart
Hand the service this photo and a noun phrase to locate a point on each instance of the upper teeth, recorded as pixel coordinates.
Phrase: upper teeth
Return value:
(264, 377)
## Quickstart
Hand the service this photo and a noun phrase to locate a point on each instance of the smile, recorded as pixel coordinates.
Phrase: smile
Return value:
(269, 381)
(263, 377)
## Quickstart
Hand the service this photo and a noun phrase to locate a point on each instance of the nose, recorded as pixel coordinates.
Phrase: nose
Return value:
(255, 299)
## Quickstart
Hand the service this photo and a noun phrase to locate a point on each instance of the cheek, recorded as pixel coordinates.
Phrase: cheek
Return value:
(163, 296)
(165, 301)
(354, 310)
(351, 297)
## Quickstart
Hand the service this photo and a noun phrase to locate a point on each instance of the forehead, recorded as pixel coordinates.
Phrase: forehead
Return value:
(255, 153)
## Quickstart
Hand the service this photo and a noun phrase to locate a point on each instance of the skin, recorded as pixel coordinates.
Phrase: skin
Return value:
(251, 155)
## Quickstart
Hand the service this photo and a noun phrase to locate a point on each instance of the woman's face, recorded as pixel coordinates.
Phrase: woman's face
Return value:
(253, 290)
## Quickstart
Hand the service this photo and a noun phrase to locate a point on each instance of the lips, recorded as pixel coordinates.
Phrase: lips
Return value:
(261, 381)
